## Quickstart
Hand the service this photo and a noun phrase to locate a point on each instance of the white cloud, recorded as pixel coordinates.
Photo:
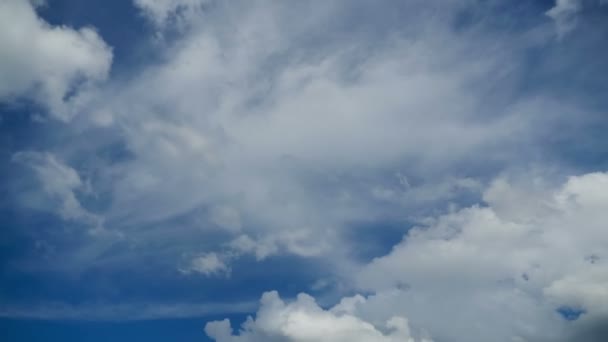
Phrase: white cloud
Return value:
(304, 321)
(60, 183)
(503, 269)
(281, 135)
(565, 13)
(52, 65)
(207, 264)
(249, 118)
(226, 217)
(281, 122)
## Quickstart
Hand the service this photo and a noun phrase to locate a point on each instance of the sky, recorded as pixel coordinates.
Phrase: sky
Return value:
(299, 171)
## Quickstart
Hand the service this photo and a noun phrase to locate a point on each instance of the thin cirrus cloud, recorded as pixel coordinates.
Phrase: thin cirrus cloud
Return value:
(261, 131)
(60, 184)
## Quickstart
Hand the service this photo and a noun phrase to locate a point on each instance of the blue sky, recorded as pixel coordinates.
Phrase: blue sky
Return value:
(337, 171)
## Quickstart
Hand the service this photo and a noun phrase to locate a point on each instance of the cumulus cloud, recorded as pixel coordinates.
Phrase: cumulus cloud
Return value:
(304, 321)
(51, 65)
(565, 13)
(503, 268)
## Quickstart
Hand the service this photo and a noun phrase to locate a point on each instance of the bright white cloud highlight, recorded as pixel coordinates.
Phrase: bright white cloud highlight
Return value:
(505, 268)
(51, 65)
(304, 321)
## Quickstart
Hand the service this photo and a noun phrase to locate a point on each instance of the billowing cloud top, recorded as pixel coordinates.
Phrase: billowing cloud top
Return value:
(425, 170)
(303, 320)
(50, 65)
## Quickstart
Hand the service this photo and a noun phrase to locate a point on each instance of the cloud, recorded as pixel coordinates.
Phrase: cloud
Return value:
(283, 142)
(60, 183)
(565, 13)
(207, 264)
(38, 3)
(266, 128)
(124, 311)
(51, 65)
(244, 244)
(275, 131)
(503, 268)
(304, 321)
(515, 268)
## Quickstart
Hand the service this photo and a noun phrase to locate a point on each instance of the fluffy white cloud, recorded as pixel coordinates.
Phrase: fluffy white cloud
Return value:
(207, 264)
(304, 321)
(503, 268)
(52, 65)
